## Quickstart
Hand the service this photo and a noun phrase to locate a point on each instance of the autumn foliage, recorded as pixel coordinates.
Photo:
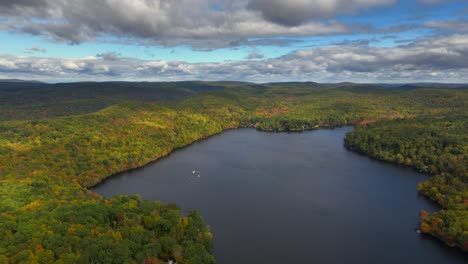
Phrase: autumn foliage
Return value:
(58, 140)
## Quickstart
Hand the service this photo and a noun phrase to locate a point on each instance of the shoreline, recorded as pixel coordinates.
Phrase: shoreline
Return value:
(90, 187)
(428, 175)
(159, 158)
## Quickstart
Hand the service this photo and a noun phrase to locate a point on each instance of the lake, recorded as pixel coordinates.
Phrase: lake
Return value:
(292, 198)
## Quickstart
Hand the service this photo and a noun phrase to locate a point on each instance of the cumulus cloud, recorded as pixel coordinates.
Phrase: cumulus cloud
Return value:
(441, 59)
(174, 22)
(296, 12)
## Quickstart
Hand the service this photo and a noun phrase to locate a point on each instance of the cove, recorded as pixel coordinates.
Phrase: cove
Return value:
(292, 198)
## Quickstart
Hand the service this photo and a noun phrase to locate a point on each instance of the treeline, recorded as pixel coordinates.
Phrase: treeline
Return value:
(432, 144)
(47, 214)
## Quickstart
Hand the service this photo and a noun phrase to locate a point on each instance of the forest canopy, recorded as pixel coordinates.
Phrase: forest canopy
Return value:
(58, 140)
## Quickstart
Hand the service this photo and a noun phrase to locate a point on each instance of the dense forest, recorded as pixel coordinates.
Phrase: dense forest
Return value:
(58, 139)
(437, 145)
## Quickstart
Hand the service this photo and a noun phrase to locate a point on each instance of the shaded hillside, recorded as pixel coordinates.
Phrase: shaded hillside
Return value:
(39, 100)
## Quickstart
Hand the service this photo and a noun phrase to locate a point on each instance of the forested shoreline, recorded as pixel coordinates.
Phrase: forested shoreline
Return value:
(436, 145)
(47, 162)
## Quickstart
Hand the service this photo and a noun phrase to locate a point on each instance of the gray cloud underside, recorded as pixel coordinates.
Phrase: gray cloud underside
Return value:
(442, 59)
(163, 22)
(297, 12)
(458, 25)
(201, 24)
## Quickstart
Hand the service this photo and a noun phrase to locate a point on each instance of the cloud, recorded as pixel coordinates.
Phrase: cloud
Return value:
(437, 2)
(180, 22)
(111, 56)
(430, 2)
(458, 25)
(441, 59)
(357, 42)
(35, 49)
(254, 55)
(297, 12)
(463, 11)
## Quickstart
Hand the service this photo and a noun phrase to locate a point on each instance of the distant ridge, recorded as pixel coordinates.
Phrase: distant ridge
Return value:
(195, 83)
(19, 81)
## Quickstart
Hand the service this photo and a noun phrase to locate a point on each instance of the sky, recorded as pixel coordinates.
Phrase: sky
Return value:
(364, 41)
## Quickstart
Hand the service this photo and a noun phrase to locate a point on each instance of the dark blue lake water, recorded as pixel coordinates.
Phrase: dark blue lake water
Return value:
(292, 198)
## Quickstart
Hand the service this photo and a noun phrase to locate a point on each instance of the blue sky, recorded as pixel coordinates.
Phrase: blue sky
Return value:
(204, 33)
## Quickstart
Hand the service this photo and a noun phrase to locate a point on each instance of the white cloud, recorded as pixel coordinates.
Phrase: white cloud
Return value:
(71, 65)
(7, 64)
(441, 59)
